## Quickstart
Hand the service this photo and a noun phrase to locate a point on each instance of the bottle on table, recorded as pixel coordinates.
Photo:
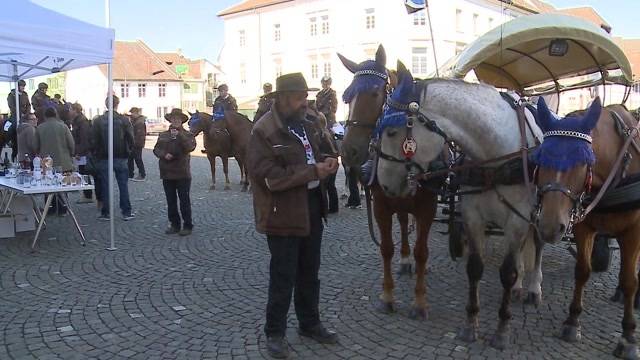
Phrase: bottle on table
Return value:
(25, 164)
(6, 163)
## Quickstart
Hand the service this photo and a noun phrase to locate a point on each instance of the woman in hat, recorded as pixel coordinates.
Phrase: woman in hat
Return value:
(173, 149)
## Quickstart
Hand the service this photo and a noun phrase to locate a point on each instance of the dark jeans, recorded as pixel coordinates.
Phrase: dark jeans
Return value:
(332, 193)
(181, 188)
(136, 155)
(122, 178)
(82, 169)
(352, 181)
(295, 262)
(58, 205)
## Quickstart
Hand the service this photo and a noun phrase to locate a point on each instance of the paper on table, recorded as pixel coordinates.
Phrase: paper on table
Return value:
(82, 161)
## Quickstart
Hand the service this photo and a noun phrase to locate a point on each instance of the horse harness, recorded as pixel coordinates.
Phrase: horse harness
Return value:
(383, 76)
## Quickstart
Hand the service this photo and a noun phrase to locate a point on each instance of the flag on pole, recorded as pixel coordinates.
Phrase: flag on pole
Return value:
(415, 5)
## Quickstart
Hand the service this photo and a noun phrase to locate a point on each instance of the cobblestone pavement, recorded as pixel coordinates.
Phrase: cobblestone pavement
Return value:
(165, 297)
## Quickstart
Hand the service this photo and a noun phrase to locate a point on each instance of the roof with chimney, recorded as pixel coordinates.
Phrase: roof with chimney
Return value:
(134, 60)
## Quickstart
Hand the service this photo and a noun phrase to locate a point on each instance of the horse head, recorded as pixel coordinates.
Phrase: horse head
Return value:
(198, 122)
(408, 142)
(365, 95)
(564, 168)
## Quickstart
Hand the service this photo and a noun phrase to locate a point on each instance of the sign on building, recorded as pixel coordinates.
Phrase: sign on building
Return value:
(182, 69)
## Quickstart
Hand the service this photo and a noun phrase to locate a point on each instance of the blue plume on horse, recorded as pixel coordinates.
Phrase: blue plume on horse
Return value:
(404, 93)
(563, 152)
(195, 119)
(365, 82)
(367, 74)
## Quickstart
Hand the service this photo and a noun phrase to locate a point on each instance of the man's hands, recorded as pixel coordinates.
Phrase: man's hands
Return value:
(327, 168)
(168, 157)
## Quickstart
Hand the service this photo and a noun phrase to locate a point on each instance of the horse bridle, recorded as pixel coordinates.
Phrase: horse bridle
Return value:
(409, 146)
(577, 212)
(383, 76)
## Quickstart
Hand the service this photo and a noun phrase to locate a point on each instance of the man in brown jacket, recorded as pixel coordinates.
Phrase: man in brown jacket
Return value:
(139, 124)
(327, 101)
(25, 105)
(173, 148)
(288, 158)
(81, 131)
(39, 101)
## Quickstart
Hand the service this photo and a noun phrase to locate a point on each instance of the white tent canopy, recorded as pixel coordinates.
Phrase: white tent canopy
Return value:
(40, 41)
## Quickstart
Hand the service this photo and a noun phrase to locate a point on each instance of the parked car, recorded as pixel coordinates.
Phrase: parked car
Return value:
(156, 126)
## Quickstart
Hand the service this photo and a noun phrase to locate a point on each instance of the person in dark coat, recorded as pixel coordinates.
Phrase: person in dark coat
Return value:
(265, 102)
(40, 100)
(332, 192)
(224, 101)
(139, 124)
(327, 101)
(173, 150)
(25, 105)
(289, 157)
(122, 144)
(81, 131)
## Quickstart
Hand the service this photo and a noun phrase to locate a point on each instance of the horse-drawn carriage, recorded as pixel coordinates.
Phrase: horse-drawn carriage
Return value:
(421, 120)
(545, 55)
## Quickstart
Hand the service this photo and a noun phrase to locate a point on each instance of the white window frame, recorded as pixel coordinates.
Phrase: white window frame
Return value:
(313, 26)
(326, 67)
(142, 90)
(476, 28)
(459, 22)
(370, 18)
(162, 90)
(124, 90)
(243, 74)
(277, 34)
(419, 60)
(326, 29)
(419, 18)
(242, 38)
(314, 69)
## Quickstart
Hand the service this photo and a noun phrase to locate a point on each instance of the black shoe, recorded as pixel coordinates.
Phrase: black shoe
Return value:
(171, 230)
(333, 211)
(277, 347)
(320, 334)
(185, 232)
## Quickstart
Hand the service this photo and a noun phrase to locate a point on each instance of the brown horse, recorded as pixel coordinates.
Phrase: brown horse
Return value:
(217, 143)
(239, 128)
(563, 184)
(366, 95)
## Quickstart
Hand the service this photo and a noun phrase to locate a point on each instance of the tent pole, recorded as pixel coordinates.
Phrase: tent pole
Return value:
(110, 119)
(17, 90)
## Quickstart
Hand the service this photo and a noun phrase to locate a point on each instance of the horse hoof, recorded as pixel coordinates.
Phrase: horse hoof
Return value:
(405, 269)
(533, 299)
(468, 334)
(385, 307)
(499, 341)
(227, 187)
(626, 350)
(618, 296)
(212, 187)
(418, 313)
(517, 295)
(570, 333)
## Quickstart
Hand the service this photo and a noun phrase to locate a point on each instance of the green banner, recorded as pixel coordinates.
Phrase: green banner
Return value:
(182, 69)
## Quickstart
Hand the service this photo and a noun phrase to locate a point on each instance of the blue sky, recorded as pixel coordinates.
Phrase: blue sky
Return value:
(193, 26)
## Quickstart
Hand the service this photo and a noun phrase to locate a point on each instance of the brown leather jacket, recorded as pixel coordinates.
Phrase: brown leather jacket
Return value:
(327, 103)
(82, 135)
(139, 130)
(180, 166)
(280, 173)
(25, 105)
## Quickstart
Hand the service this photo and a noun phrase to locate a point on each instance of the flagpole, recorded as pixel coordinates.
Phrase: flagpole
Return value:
(433, 41)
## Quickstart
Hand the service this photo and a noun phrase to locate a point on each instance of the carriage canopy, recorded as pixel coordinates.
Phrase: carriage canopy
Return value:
(517, 55)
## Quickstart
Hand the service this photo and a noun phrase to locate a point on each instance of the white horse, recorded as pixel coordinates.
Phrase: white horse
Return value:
(485, 126)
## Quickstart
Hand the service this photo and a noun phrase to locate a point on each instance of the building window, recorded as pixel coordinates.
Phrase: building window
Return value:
(160, 111)
(460, 47)
(313, 27)
(162, 90)
(242, 39)
(419, 60)
(419, 18)
(243, 74)
(276, 32)
(459, 21)
(327, 69)
(370, 22)
(314, 70)
(124, 90)
(278, 68)
(31, 84)
(490, 23)
(190, 88)
(475, 24)
(325, 24)
(142, 90)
